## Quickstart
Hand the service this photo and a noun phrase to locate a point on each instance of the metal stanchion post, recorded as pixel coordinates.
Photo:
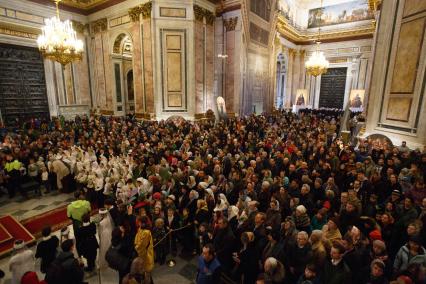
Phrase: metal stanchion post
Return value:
(171, 262)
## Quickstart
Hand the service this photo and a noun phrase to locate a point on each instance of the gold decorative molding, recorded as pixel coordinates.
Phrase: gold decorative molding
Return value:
(292, 52)
(134, 13)
(304, 37)
(79, 27)
(374, 5)
(210, 17)
(198, 13)
(146, 10)
(9, 32)
(83, 4)
(100, 25)
(302, 52)
(230, 23)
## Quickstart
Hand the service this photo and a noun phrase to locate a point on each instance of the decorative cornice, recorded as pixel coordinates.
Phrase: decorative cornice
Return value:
(9, 32)
(200, 13)
(230, 23)
(304, 37)
(98, 26)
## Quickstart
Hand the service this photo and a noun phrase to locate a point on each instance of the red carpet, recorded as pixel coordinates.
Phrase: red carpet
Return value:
(56, 218)
(4, 235)
(16, 230)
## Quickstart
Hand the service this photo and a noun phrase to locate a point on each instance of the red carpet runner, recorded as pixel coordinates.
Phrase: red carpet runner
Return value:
(13, 230)
(56, 218)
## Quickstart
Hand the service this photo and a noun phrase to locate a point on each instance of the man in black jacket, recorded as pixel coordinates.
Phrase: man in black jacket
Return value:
(224, 241)
(65, 269)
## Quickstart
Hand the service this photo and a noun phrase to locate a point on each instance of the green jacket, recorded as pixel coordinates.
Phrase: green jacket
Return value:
(77, 209)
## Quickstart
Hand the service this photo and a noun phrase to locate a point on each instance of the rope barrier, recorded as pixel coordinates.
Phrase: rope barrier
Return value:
(169, 232)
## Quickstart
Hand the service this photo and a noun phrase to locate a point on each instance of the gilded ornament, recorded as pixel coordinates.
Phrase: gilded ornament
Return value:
(210, 17)
(198, 13)
(230, 23)
(146, 10)
(134, 13)
(100, 25)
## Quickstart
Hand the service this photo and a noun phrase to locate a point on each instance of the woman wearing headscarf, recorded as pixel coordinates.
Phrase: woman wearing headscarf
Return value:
(273, 215)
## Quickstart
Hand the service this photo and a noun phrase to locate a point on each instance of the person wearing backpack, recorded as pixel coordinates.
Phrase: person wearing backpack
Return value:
(65, 269)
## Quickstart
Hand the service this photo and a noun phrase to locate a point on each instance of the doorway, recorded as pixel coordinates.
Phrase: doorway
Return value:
(122, 59)
(333, 84)
(281, 76)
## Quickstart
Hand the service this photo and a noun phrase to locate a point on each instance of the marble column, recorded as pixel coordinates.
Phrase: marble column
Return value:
(289, 86)
(210, 104)
(229, 69)
(200, 50)
(137, 63)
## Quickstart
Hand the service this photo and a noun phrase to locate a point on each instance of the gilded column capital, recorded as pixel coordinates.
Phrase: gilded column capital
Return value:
(134, 13)
(78, 26)
(230, 23)
(302, 52)
(292, 52)
(374, 5)
(146, 10)
(210, 17)
(198, 13)
(98, 26)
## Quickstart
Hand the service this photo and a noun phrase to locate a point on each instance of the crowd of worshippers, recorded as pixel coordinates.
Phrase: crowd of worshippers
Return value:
(275, 198)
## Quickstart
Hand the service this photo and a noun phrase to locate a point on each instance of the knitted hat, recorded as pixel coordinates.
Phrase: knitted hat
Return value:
(301, 209)
(156, 196)
(379, 263)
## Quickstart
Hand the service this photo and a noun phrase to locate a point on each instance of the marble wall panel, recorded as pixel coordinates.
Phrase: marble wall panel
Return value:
(413, 7)
(148, 64)
(199, 42)
(408, 56)
(399, 109)
(137, 67)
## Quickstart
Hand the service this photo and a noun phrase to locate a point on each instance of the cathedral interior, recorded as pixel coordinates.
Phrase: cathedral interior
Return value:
(225, 60)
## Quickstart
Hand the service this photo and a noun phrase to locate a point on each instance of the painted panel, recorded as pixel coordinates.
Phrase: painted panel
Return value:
(173, 12)
(414, 7)
(262, 8)
(258, 34)
(173, 42)
(399, 109)
(174, 76)
(174, 69)
(407, 56)
(339, 14)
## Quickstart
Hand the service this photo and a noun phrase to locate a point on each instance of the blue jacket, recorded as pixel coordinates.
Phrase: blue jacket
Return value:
(208, 273)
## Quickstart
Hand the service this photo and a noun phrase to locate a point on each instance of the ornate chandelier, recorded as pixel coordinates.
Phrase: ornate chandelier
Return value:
(59, 41)
(317, 64)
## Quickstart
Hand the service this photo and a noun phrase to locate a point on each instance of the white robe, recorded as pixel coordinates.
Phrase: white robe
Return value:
(21, 263)
(105, 232)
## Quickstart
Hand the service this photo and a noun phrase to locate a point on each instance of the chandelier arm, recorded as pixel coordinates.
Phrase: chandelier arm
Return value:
(57, 7)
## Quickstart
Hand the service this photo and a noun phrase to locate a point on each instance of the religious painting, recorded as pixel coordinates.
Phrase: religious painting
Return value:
(262, 8)
(301, 97)
(339, 14)
(356, 99)
(221, 107)
(286, 8)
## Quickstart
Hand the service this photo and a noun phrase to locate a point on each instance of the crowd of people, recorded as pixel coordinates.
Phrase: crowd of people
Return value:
(276, 198)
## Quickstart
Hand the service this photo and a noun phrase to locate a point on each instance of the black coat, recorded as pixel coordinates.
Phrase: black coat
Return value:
(72, 272)
(249, 266)
(46, 250)
(224, 242)
(337, 274)
(87, 244)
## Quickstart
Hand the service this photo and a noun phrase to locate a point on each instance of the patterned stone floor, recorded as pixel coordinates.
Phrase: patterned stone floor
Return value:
(22, 209)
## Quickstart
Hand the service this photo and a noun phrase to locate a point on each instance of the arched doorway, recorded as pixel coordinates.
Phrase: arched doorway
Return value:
(122, 58)
(281, 78)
